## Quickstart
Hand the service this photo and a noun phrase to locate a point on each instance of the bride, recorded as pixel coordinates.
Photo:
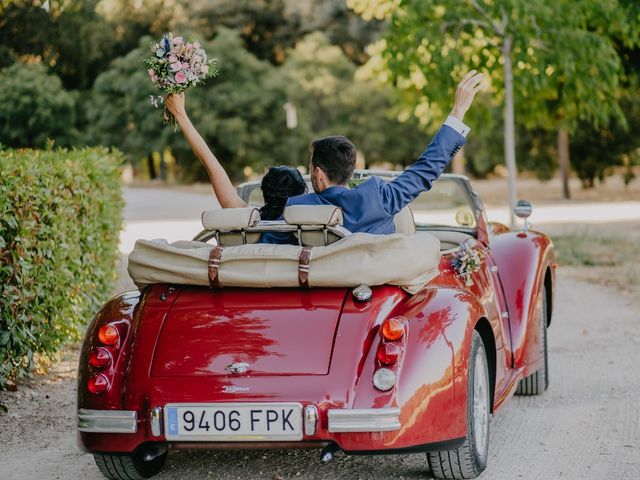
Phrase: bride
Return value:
(278, 184)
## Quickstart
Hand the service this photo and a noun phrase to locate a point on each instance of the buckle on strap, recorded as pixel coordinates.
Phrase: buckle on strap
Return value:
(304, 258)
(214, 266)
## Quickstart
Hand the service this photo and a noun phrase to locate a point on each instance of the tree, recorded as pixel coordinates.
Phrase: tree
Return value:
(34, 108)
(428, 40)
(240, 113)
(270, 27)
(333, 96)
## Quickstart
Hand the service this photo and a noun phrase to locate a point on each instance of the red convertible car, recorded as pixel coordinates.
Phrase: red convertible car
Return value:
(365, 344)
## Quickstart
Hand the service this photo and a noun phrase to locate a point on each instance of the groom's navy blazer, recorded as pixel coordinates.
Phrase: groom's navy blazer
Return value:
(370, 206)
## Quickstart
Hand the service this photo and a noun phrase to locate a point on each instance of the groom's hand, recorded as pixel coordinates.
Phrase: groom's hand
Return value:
(175, 104)
(471, 84)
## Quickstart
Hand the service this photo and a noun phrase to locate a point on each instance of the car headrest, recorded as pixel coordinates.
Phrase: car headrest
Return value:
(230, 218)
(404, 221)
(313, 215)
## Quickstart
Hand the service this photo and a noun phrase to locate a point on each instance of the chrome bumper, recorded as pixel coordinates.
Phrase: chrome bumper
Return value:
(364, 420)
(107, 421)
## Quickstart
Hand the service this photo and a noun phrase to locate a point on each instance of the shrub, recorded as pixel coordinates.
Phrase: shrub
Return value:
(60, 218)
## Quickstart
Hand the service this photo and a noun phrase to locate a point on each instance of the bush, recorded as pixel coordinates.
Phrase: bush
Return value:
(60, 218)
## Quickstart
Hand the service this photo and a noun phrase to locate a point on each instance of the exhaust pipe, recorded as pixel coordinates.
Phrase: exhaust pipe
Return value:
(328, 452)
(154, 451)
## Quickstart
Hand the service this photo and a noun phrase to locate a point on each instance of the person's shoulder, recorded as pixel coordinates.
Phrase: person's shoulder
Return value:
(304, 199)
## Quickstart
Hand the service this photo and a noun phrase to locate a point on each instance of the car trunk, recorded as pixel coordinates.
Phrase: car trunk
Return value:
(272, 331)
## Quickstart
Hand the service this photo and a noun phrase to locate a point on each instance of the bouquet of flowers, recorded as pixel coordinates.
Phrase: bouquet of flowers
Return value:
(466, 261)
(175, 65)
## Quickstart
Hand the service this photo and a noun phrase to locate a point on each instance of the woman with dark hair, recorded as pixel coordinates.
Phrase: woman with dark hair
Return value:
(278, 184)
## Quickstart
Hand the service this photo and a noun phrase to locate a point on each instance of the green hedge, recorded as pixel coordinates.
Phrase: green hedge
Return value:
(60, 218)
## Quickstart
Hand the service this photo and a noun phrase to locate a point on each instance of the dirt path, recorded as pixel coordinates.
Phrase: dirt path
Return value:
(587, 426)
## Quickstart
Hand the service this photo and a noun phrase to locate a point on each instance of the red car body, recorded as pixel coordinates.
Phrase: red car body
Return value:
(318, 347)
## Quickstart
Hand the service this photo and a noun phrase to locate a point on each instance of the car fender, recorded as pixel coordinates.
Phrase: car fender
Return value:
(432, 371)
(525, 261)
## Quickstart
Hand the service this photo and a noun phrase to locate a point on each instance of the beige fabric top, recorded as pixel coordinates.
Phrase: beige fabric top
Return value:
(408, 261)
(313, 215)
(230, 218)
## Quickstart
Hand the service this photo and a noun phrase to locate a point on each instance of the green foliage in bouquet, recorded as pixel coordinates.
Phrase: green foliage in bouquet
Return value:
(60, 218)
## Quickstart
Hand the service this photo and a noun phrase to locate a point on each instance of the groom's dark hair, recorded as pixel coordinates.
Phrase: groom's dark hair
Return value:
(336, 156)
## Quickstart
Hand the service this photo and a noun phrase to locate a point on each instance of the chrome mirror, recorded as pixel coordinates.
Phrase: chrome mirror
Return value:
(523, 210)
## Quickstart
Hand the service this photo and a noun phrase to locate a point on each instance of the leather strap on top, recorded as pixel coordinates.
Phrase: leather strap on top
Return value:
(303, 267)
(214, 266)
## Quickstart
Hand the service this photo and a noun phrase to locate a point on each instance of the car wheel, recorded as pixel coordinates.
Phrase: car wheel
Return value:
(142, 463)
(538, 381)
(470, 459)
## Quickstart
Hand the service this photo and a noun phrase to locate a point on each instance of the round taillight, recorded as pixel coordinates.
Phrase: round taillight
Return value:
(100, 358)
(108, 334)
(388, 353)
(393, 329)
(384, 379)
(98, 384)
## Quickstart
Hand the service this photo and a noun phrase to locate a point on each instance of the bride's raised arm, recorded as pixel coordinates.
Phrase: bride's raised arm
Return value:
(222, 186)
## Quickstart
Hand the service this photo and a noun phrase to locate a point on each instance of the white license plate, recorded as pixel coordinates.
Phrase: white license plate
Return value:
(238, 422)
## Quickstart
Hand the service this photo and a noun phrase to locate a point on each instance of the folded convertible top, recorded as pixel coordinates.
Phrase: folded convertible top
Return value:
(408, 261)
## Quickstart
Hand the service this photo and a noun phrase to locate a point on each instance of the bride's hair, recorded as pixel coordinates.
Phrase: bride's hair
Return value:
(278, 185)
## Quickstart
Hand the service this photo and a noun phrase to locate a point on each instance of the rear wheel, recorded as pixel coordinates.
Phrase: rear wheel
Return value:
(470, 459)
(538, 381)
(142, 463)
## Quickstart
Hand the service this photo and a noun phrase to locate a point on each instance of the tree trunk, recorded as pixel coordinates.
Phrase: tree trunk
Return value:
(457, 165)
(563, 160)
(152, 167)
(509, 128)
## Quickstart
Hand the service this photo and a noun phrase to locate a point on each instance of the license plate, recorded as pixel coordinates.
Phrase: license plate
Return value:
(239, 422)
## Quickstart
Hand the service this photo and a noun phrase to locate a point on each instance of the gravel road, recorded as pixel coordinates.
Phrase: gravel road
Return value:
(586, 426)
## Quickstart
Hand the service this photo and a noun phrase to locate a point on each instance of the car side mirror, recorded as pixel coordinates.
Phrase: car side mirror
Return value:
(523, 210)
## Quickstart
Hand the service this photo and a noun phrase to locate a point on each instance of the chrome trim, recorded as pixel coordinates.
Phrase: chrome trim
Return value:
(107, 421)
(310, 419)
(364, 420)
(238, 367)
(362, 293)
(155, 420)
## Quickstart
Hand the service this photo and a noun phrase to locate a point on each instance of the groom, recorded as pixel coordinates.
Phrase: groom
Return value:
(371, 206)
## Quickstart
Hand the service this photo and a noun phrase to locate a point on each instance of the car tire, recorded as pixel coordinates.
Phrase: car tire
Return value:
(470, 459)
(130, 466)
(538, 381)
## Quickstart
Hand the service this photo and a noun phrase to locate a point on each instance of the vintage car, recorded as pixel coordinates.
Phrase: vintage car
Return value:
(365, 344)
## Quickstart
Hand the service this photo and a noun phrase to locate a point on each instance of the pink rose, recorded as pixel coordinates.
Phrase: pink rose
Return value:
(176, 66)
(178, 41)
(173, 59)
(181, 78)
(185, 66)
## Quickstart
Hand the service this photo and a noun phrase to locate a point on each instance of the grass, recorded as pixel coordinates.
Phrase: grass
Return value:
(604, 259)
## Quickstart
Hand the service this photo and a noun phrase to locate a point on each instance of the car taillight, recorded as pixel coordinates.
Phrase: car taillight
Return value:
(108, 334)
(98, 384)
(100, 358)
(388, 353)
(384, 379)
(393, 329)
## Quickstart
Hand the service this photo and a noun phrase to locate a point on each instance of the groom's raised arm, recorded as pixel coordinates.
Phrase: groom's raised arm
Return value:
(446, 143)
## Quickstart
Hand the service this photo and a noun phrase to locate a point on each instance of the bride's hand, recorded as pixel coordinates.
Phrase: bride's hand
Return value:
(175, 104)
